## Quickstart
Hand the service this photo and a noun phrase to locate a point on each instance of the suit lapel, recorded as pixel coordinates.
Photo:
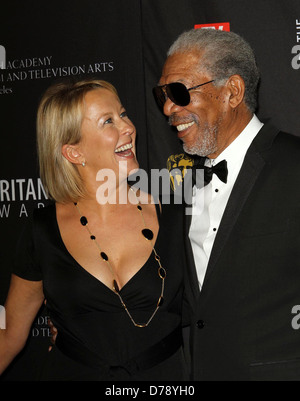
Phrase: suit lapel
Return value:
(191, 268)
(245, 182)
(251, 168)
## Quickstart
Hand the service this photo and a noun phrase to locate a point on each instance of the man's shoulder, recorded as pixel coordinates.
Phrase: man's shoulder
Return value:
(277, 142)
(287, 146)
(284, 155)
(289, 140)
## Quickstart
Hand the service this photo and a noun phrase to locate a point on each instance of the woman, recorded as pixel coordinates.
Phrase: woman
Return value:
(112, 279)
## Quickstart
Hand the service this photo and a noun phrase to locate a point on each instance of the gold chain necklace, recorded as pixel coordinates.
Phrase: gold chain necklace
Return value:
(148, 235)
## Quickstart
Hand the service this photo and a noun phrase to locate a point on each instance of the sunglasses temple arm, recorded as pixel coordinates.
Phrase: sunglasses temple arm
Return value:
(197, 86)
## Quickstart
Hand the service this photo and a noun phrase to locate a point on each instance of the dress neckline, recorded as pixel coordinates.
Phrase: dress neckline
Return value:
(86, 272)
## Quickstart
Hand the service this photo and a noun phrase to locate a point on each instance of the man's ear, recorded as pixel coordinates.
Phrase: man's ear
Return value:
(236, 86)
(72, 153)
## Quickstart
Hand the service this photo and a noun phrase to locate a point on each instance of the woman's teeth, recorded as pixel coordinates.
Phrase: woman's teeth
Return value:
(123, 148)
(182, 127)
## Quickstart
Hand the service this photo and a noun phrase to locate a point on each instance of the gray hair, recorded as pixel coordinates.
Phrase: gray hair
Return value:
(225, 54)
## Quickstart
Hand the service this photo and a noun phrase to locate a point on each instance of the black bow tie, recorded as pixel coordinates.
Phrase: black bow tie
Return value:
(219, 169)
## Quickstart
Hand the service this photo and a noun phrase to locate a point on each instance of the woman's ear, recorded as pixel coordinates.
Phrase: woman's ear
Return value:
(236, 86)
(72, 153)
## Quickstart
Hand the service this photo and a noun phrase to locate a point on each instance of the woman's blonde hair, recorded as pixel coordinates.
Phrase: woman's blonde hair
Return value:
(59, 121)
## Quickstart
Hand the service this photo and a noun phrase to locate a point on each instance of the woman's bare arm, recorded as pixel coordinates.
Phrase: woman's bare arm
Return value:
(22, 305)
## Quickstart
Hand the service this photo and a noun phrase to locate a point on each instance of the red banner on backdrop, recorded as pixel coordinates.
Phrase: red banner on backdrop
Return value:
(221, 26)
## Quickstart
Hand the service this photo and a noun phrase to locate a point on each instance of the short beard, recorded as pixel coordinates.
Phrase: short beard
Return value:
(206, 144)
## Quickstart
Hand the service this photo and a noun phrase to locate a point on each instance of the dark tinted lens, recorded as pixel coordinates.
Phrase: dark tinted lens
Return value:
(159, 96)
(178, 93)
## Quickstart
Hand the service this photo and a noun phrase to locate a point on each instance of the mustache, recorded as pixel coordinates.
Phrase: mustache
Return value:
(176, 120)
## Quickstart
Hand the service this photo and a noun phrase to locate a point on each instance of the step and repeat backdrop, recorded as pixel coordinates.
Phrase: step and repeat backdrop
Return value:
(124, 42)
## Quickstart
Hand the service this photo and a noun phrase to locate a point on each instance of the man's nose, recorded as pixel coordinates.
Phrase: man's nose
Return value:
(171, 108)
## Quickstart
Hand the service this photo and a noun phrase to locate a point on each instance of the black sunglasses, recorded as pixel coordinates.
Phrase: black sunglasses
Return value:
(177, 92)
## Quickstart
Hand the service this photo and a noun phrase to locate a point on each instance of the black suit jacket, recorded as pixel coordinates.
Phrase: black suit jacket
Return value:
(241, 321)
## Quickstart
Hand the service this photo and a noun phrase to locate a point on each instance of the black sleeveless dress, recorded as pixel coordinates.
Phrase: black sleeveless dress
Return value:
(96, 339)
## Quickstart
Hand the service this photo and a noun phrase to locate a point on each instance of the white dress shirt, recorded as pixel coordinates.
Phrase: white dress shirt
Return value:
(209, 202)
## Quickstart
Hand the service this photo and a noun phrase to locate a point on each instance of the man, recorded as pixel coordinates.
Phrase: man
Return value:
(243, 239)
